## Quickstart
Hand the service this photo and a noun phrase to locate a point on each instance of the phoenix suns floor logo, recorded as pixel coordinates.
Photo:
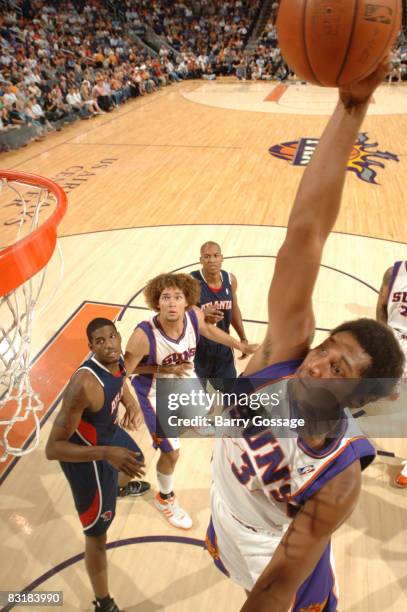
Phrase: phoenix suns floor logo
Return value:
(363, 161)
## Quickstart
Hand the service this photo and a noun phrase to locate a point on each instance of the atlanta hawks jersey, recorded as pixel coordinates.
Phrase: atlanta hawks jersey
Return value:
(264, 478)
(98, 428)
(397, 300)
(221, 299)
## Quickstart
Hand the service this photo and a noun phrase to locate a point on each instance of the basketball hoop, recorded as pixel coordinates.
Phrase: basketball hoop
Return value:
(22, 273)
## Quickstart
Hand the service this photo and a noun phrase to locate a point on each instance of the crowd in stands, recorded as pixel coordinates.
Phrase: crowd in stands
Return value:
(399, 60)
(211, 34)
(58, 65)
(65, 60)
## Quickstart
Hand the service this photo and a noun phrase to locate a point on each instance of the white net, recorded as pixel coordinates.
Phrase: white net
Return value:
(19, 401)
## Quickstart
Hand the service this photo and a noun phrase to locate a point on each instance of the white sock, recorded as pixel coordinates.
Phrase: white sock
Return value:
(165, 482)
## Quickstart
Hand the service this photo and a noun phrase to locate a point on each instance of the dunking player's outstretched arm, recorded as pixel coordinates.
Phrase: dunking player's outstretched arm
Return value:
(83, 392)
(315, 210)
(381, 306)
(304, 543)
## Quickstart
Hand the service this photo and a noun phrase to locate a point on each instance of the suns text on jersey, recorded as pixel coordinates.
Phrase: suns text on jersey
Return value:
(399, 296)
(175, 358)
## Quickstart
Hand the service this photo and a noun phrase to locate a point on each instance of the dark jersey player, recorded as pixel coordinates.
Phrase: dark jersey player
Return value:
(94, 452)
(213, 361)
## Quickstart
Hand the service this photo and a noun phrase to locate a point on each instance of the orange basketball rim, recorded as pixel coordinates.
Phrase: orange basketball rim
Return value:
(23, 259)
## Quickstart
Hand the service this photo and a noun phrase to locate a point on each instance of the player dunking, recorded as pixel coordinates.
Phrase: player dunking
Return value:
(263, 478)
(166, 345)
(213, 361)
(93, 449)
(391, 309)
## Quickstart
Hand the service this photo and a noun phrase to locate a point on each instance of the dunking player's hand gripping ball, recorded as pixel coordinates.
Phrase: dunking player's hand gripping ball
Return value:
(336, 42)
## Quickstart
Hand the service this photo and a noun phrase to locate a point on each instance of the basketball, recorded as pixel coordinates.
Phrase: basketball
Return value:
(335, 42)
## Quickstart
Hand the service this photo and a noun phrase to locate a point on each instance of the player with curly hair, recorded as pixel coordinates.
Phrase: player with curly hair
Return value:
(166, 346)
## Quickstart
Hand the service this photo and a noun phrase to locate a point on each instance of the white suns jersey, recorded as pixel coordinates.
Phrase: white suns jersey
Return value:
(167, 351)
(397, 300)
(264, 479)
(164, 350)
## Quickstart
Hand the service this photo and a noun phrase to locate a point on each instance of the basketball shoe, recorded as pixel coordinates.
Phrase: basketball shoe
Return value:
(173, 512)
(106, 605)
(401, 478)
(135, 488)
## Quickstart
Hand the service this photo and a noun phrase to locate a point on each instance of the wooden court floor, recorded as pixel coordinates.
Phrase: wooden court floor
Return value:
(147, 185)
